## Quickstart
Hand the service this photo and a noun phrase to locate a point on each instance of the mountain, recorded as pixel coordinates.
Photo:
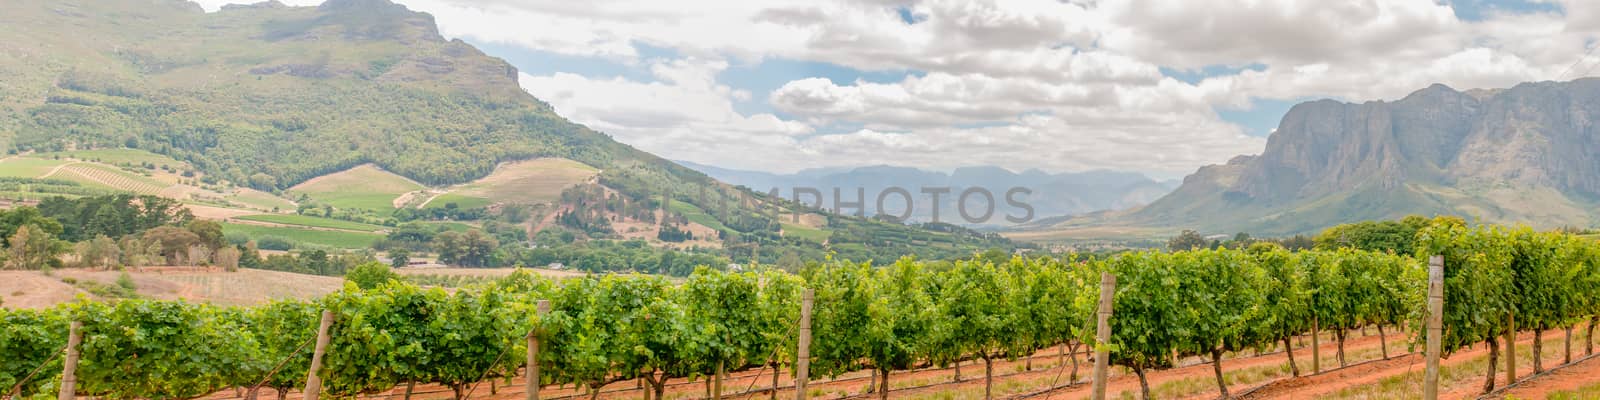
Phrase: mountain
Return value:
(270, 96)
(1052, 194)
(1527, 154)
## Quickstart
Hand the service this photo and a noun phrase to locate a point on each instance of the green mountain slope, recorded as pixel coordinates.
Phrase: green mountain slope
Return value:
(269, 96)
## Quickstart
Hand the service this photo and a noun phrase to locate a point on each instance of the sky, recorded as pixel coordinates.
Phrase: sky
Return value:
(1155, 86)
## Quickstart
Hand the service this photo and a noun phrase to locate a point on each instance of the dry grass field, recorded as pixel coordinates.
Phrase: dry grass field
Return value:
(365, 186)
(32, 289)
(526, 182)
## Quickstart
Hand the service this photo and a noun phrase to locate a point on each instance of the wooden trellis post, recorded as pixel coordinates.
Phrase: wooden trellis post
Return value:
(802, 361)
(1102, 334)
(1435, 328)
(69, 369)
(314, 382)
(540, 308)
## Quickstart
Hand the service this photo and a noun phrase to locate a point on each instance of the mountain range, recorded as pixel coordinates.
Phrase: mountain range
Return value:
(270, 96)
(1049, 194)
(1525, 154)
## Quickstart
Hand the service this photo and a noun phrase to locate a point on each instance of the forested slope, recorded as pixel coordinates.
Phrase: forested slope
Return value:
(269, 96)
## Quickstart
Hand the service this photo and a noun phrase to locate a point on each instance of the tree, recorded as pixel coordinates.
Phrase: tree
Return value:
(1188, 240)
(228, 258)
(370, 275)
(399, 257)
(1381, 236)
(32, 248)
(174, 242)
(470, 249)
(209, 233)
(102, 251)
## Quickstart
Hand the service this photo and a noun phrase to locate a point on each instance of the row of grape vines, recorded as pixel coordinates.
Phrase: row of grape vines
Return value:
(882, 318)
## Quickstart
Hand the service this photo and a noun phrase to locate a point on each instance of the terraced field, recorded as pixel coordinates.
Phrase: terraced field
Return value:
(105, 176)
(313, 222)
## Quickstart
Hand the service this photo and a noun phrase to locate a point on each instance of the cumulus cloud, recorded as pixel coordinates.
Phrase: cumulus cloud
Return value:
(684, 114)
(1058, 85)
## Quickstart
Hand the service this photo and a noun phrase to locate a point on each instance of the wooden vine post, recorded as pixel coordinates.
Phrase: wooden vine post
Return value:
(1102, 334)
(540, 308)
(1511, 348)
(313, 381)
(1435, 327)
(1316, 352)
(802, 361)
(69, 369)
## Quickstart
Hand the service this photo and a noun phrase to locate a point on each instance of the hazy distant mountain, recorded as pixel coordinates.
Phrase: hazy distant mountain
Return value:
(1052, 194)
(1527, 154)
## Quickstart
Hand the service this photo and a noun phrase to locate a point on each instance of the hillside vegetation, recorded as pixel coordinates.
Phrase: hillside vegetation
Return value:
(273, 97)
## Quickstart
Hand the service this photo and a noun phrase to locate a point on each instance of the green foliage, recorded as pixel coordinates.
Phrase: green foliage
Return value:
(180, 350)
(370, 275)
(284, 329)
(1381, 236)
(615, 327)
(112, 215)
(28, 338)
(1479, 290)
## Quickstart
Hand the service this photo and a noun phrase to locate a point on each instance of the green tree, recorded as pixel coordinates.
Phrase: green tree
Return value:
(1188, 240)
(370, 275)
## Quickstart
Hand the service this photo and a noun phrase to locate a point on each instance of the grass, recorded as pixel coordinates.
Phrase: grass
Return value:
(696, 215)
(449, 225)
(337, 239)
(805, 232)
(28, 167)
(259, 199)
(528, 182)
(117, 156)
(100, 175)
(1470, 373)
(363, 187)
(461, 201)
(316, 222)
(1587, 392)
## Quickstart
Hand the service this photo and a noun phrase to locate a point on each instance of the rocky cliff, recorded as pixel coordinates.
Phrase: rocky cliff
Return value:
(1521, 155)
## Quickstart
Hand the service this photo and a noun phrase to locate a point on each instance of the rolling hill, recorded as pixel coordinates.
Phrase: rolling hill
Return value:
(1052, 194)
(272, 97)
(1524, 154)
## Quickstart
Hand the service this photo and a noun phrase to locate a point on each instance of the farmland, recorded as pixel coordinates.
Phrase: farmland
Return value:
(1349, 316)
(309, 221)
(365, 186)
(316, 237)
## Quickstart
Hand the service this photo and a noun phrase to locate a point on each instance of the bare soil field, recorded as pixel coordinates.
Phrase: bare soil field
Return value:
(32, 289)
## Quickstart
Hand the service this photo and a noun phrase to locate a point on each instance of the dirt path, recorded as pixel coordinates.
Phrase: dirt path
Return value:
(1012, 382)
(1128, 382)
(57, 169)
(1581, 373)
(1331, 383)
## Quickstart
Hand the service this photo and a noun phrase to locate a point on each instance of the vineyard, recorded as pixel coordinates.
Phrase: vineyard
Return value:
(865, 321)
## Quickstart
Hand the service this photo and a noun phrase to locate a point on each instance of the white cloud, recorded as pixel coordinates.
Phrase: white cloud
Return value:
(685, 115)
(1058, 85)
